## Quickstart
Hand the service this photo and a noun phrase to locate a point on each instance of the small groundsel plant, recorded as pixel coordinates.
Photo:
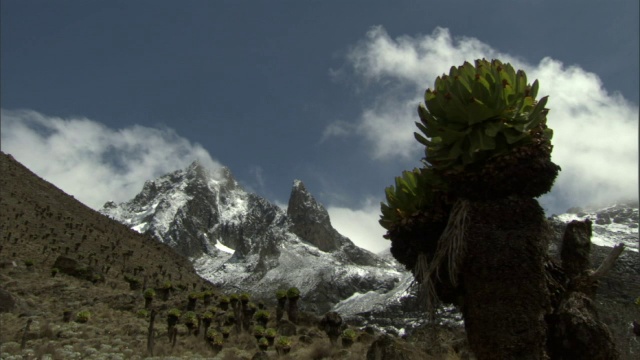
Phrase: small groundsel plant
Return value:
(211, 334)
(149, 293)
(281, 294)
(214, 338)
(207, 318)
(223, 302)
(225, 331)
(348, 337)
(258, 331)
(173, 316)
(83, 316)
(244, 298)
(190, 319)
(233, 299)
(262, 317)
(142, 314)
(283, 344)
(270, 334)
(263, 344)
(293, 293)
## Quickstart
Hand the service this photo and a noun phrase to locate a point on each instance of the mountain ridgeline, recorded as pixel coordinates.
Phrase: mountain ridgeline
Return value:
(241, 241)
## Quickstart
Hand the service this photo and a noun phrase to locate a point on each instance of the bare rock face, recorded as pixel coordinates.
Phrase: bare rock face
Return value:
(311, 220)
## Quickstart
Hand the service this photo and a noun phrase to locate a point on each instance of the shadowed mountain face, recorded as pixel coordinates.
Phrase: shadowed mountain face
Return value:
(239, 240)
(40, 221)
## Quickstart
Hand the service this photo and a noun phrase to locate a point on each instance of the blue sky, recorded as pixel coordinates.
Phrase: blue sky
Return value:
(98, 96)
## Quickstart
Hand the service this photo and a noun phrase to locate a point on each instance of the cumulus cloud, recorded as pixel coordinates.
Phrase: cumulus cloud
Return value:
(91, 161)
(413, 60)
(595, 132)
(360, 225)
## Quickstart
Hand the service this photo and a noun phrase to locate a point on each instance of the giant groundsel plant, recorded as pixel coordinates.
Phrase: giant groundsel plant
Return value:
(485, 138)
(477, 112)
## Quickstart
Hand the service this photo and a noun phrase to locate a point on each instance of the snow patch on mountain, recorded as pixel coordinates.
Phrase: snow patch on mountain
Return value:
(611, 225)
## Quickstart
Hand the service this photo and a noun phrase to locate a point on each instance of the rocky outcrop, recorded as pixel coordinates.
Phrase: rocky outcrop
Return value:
(8, 302)
(387, 347)
(77, 269)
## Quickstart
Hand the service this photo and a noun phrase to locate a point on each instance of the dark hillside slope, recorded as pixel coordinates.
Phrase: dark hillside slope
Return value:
(38, 224)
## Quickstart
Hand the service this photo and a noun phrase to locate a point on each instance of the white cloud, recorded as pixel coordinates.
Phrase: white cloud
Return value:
(360, 225)
(91, 161)
(337, 129)
(595, 133)
(414, 60)
(595, 137)
(404, 67)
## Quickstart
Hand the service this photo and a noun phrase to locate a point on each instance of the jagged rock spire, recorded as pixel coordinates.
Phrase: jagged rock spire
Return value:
(311, 220)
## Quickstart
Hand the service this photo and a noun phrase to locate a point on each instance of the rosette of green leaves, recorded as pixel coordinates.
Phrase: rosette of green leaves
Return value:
(263, 343)
(477, 112)
(245, 297)
(207, 318)
(293, 293)
(83, 316)
(226, 330)
(262, 316)
(281, 294)
(270, 333)
(258, 330)
(190, 319)
(175, 313)
(412, 196)
(233, 298)
(213, 337)
(284, 342)
(173, 316)
(149, 294)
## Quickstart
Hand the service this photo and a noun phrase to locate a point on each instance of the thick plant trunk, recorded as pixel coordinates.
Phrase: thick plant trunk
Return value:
(292, 310)
(505, 295)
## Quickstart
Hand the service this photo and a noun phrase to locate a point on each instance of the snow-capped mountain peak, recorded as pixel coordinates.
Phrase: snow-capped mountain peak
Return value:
(239, 240)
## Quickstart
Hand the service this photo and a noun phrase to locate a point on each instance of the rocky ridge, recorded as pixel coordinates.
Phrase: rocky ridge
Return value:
(242, 242)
